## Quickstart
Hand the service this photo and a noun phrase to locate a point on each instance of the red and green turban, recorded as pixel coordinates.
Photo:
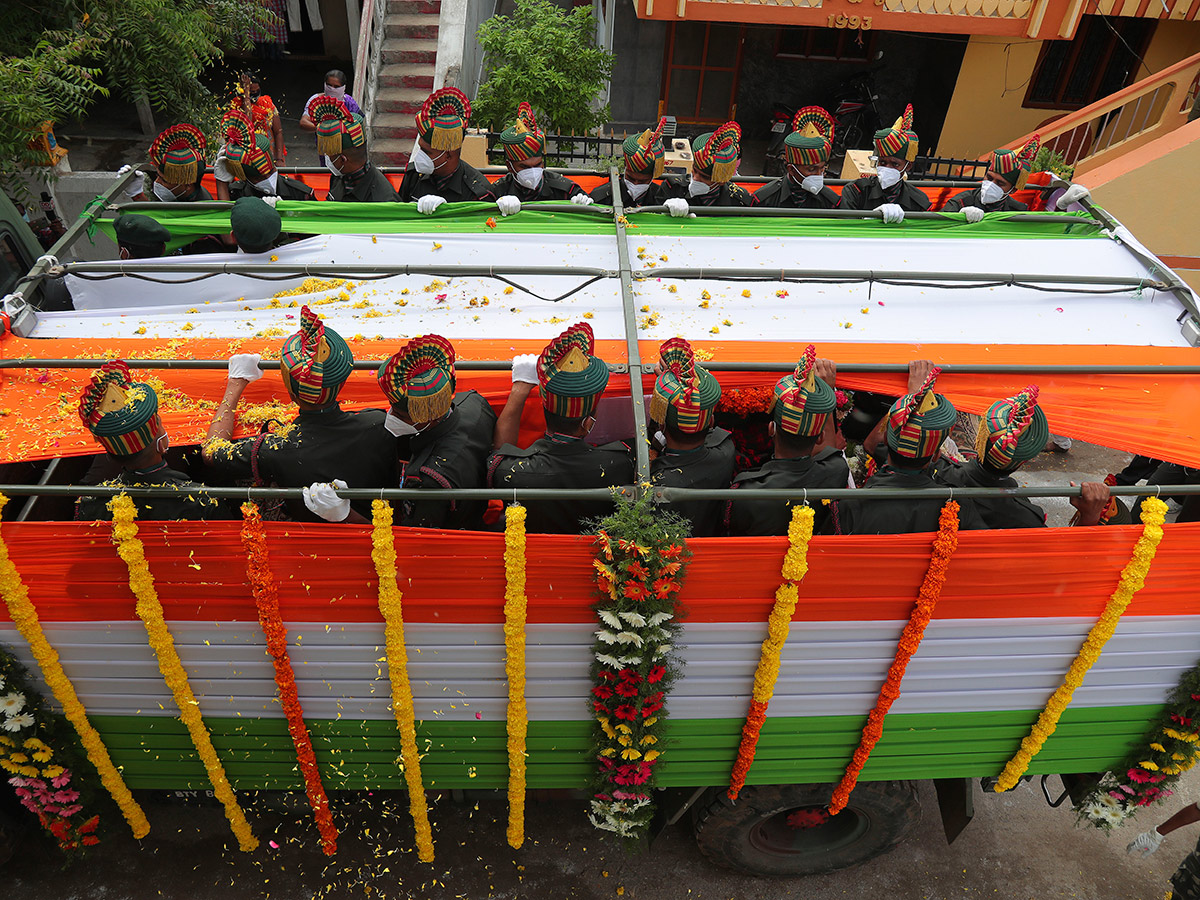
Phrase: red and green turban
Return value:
(900, 140)
(523, 138)
(802, 402)
(238, 132)
(715, 155)
(315, 361)
(443, 117)
(811, 138)
(419, 378)
(685, 395)
(918, 422)
(1012, 431)
(122, 415)
(644, 153)
(332, 119)
(178, 153)
(570, 378)
(1015, 165)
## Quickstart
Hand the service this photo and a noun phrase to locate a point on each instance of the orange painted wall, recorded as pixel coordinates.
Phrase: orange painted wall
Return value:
(986, 112)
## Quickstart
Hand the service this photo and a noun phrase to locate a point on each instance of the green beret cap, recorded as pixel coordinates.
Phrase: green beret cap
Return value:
(141, 231)
(255, 224)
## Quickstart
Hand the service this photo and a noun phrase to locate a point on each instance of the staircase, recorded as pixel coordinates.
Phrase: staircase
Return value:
(404, 76)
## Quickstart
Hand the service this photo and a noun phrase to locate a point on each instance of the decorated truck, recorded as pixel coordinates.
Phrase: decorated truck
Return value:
(788, 693)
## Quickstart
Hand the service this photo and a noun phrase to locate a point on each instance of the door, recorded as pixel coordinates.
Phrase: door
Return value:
(701, 68)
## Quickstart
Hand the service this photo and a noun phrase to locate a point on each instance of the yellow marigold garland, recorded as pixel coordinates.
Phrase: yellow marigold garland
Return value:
(515, 605)
(25, 617)
(1133, 577)
(150, 611)
(383, 554)
(795, 567)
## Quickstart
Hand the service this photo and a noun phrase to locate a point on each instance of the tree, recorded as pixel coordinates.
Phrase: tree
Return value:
(548, 57)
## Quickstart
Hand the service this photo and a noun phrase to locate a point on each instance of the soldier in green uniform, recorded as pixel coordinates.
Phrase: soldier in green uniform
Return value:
(140, 237)
(806, 150)
(915, 426)
(1013, 431)
(323, 443)
(122, 416)
(255, 225)
(244, 167)
(444, 437)
(714, 163)
(570, 380)
(527, 179)
(800, 408)
(342, 139)
(644, 162)
(895, 150)
(695, 454)
(1007, 172)
(436, 173)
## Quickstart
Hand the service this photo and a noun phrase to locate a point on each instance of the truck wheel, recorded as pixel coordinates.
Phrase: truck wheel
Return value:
(785, 829)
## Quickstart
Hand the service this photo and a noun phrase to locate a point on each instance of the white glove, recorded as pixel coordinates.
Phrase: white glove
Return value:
(427, 204)
(677, 207)
(136, 185)
(245, 366)
(973, 213)
(1074, 194)
(892, 213)
(270, 200)
(582, 199)
(220, 170)
(509, 205)
(1145, 843)
(525, 368)
(322, 500)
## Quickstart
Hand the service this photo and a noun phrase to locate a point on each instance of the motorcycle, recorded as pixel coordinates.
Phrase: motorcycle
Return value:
(856, 115)
(781, 124)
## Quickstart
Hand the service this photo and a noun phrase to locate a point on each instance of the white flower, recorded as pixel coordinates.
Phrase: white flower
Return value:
(609, 618)
(1113, 816)
(628, 637)
(16, 723)
(607, 636)
(611, 661)
(1109, 801)
(1, 682)
(659, 618)
(11, 704)
(635, 619)
(661, 650)
(1094, 810)
(630, 661)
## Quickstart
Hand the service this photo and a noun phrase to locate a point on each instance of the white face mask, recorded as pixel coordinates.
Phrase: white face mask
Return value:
(331, 167)
(397, 426)
(636, 191)
(530, 178)
(888, 177)
(990, 192)
(163, 193)
(267, 186)
(339, 92)
(422, 161)
(813, 183)
(699, 188)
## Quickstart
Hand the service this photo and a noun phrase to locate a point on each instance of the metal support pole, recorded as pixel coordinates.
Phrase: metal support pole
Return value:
(760, 212)
(641, 440)
(901, 275)
(282, 269)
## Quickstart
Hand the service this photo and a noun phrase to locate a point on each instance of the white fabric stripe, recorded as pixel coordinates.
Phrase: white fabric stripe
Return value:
(457, 671)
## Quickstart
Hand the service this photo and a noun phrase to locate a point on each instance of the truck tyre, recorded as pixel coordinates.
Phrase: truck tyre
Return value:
(784, 829)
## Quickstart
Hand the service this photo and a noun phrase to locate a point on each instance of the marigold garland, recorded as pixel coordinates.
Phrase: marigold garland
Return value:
(25, 617)
(944, 545)
(515, 608)
(150, 611)
(266, 600)
(795, 567)
(1133, 577)
(383, 554)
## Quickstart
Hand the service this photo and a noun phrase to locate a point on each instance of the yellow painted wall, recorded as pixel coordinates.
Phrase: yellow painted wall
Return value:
(985, 110)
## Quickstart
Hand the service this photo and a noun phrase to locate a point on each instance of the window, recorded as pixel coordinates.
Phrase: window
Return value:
(837, 44)
(700, 71)
(1103, 58)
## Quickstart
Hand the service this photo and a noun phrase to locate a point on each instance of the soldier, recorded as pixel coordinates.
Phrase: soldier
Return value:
(806, 150)
(527, 179)
(915, 426)
(895, 150)
(255, 225)
(570, 380)
(695, 454)
(323, 443)
(342, 139)
(436, 173)
(1007, 172)
(244, 167)
(122, 416)
(1013, 431)
(444, 437)
(644, 161)
(802, 405)
(714, 163)
(140, 237)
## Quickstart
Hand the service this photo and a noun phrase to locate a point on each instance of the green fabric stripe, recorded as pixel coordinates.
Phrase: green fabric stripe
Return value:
(155, 752)
(307, 217)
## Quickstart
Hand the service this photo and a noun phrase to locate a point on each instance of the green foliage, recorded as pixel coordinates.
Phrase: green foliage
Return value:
(1049, 161)
(546, 56)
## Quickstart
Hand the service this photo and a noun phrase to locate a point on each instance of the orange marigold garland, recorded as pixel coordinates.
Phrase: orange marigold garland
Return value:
(266, 599)
(944, 546)
(795, 567)
(517, 713)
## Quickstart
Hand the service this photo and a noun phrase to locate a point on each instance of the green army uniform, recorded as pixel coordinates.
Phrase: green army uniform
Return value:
(462, 185)
(997, 512)
(707, 466)
(783, 193)
(441, 123)
(973, 198)
(808, 144)
(867, 193)
(188, 501)
(368, 185)
(1014, 167)
(553, 187)
(285, 189)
